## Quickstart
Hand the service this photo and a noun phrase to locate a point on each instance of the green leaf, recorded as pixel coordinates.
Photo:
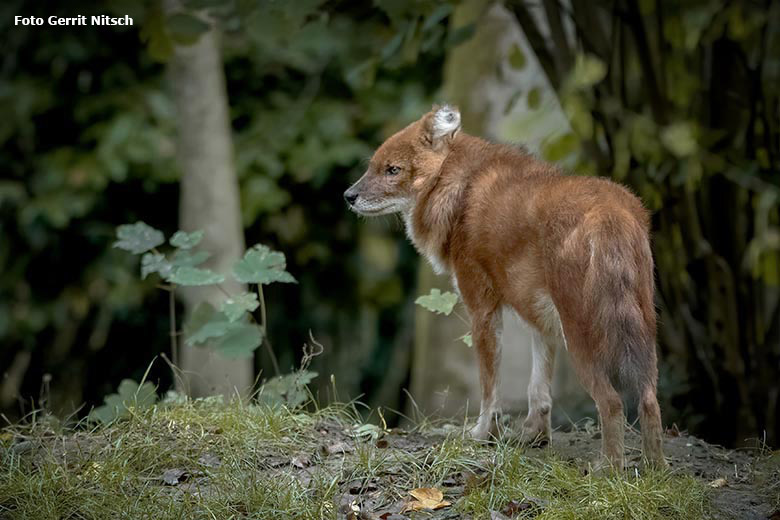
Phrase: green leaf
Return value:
(155, 35)
(261, 265)
(392, 46)
(185, 28)
(184, 240)
(202, 314)
(138, 238)
(183, 258)
(560, 147)
(466, 338)
(438, 302)
(240, 340)
(437, 15)
(289, 389)
(129, 395)
(534, 98)
(588, 71)
(193, 276)
(155, 263)
(234, 308)
(216, 327)
(517, 57)
(460, 34)
(679, 138)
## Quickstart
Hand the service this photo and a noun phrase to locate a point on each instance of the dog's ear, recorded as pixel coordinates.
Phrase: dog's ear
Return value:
(440, 126)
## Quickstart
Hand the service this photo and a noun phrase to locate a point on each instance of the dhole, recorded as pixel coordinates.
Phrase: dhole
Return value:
(571, 255)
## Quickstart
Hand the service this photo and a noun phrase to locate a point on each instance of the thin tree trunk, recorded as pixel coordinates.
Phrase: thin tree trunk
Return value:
(209, 201)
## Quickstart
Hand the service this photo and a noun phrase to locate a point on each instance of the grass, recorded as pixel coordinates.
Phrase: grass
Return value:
(240, 460)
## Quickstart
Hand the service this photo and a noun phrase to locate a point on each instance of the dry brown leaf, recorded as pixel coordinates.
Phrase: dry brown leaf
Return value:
(718, 483)
(425, 498)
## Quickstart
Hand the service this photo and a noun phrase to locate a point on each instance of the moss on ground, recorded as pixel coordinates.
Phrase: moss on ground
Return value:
(209, 459)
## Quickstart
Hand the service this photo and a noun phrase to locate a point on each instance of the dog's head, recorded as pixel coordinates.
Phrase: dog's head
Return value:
(402, 164)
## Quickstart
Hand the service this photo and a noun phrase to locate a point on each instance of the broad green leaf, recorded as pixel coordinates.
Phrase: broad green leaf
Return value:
(458, 35)
(560, 147)
(392, 46)
(363, 74)
(212, 329)
(588, 71)
(155, 263)
(438, 302)
(138, 238)
(517, 57)
(201, 315)
(155, 35)
(261, 265)
(437, 15)
(467, 339)
(193, 276)
(679, 139)
(129, 395)
(184, 258)
(289, 390)
(235, 307)
(622, 155)
(185, 28)
(534, 98)
(184, 240)
(240, 340)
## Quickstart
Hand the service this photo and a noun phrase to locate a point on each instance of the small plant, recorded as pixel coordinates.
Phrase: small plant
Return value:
(129, 395)
(231, 329)
(444, 303)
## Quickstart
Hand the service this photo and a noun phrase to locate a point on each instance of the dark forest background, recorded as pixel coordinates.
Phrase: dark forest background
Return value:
(678, 100)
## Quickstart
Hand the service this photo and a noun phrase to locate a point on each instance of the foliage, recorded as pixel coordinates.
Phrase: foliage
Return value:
(438, 302)
(289, 390)
(129, 395)
(88, 145)
(260, 265)
(228, 330)
(443, 303)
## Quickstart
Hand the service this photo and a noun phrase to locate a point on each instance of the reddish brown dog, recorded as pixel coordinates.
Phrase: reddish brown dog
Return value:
(571, 255)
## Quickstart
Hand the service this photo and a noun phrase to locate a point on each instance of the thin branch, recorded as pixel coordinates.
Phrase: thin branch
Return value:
(657, 100)
(561, 49)
(172, 316)
(537, 41)
(264, 328)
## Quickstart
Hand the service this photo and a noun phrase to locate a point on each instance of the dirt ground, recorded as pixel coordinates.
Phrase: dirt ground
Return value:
(743, 484)
(750, 489)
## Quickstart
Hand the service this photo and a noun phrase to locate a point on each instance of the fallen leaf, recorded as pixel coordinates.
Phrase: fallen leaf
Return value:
(173, 476)
(425, 498)
(529, 506)
(337, 447)
(718, 483)
(301, 461)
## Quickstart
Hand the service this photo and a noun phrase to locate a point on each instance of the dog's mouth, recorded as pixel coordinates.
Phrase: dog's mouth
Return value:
(371, 211)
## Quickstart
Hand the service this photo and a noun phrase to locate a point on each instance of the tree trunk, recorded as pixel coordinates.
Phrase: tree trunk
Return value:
(209, 201)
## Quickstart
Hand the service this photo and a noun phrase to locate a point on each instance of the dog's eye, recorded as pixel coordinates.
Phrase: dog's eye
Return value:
(392, 170)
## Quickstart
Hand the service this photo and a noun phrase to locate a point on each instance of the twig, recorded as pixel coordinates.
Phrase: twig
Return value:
(172, 314)
(263, 327)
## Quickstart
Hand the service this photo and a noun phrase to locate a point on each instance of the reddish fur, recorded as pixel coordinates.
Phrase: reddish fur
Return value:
(511, 228)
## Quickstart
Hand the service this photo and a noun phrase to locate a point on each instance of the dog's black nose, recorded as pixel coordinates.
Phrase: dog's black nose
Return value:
(350, 197)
